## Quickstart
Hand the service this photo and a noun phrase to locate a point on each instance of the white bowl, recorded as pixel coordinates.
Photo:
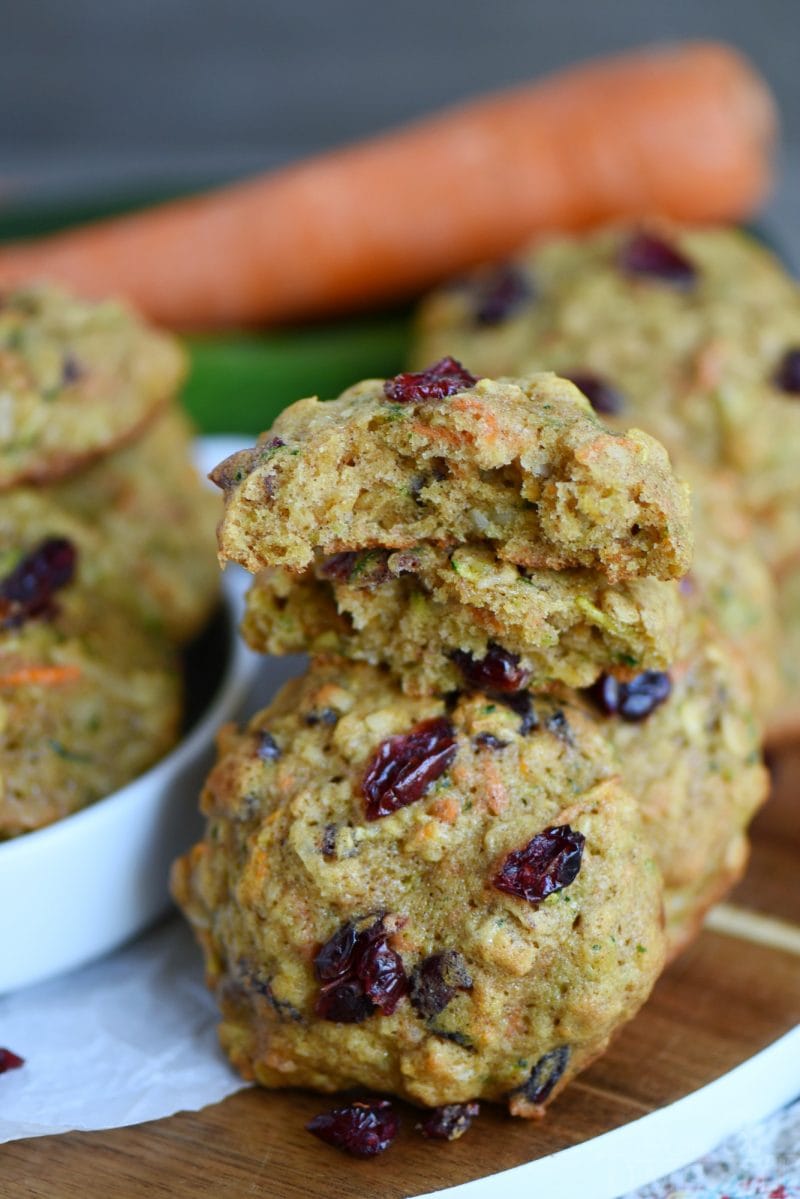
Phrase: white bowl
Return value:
(80, 887)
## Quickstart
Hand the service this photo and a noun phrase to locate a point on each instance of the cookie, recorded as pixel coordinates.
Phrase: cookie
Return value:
(443, 903)
(683, 332)
(443, 458)
(732, 586)
(88, 698)
(143, 521)
(157, 518)
(688, 748)
(692, 334)
(76, 380)
(445, 618)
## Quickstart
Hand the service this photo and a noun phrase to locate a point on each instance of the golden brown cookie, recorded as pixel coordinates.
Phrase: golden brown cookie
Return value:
(144, 522)
(441, 619)
(444, 458)
(685, 333)
(77, 379)
(88, 698)
(689, 749)
(439, 903)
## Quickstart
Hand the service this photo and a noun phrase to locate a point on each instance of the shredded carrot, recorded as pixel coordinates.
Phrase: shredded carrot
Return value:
(445, 808)
(439, 433)
(40, 676)
(486, 423)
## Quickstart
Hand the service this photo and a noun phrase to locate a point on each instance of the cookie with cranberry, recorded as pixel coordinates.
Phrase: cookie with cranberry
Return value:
(143, 522)
(444, 458)
(89, 698)
(76, 379)
(689, 334)
(688, 747)
(157, 519)
(440, 902)
(442, 619)
(692, 334)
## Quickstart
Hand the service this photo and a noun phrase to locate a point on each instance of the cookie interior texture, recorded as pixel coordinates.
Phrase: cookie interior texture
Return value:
(524, 465)
(420, 611)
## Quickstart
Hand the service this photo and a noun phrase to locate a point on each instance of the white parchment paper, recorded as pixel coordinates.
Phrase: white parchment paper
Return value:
(128, 1039)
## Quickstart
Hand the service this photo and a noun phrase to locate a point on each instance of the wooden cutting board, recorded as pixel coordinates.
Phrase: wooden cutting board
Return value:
(727, 998)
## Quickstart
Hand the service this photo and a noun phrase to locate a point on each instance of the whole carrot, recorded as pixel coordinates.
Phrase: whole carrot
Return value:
(683, 132)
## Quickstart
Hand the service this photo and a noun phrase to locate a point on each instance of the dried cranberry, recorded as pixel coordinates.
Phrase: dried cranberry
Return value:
(488, 741)
(383, 975)
(275, 443)
(359, 972)
(344, 1003)
(522, 703)
(234, 469)
(435, 981)
(28, 590)
(71, 370)
(545, 1074)
(403, 768)
(10, 1061)
(498, 670)
(370, 569)
(444, 378)
(634, 700)
(548, 863)
(335, 960)
(787, 376)
(328, 844)
(362, 1129)
(653, 257)
(338, 566)
(449, 1122)
(327, 716)
(501, 295)
(558, 725)
(267, 748)
(365, 570)
(406, 562)
(604, 398)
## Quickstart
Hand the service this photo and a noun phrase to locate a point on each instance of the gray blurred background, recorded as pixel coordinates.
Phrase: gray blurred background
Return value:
(102, 94)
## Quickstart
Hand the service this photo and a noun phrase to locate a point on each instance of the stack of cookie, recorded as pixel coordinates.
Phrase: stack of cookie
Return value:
(437, 864)
(106, 552)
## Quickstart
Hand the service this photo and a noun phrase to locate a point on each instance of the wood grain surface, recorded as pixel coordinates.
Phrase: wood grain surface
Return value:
(724, 1000)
